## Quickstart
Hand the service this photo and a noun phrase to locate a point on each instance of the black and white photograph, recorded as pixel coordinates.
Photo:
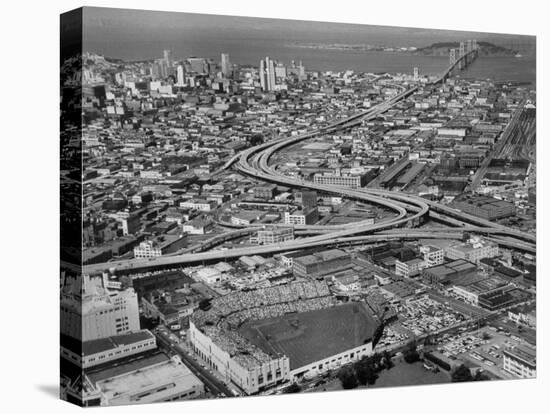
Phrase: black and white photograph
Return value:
(275, 206)
(282, 209)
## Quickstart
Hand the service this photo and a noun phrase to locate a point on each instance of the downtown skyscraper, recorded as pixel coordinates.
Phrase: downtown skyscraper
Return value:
(180, 72)
(225, 65)
(267, 74)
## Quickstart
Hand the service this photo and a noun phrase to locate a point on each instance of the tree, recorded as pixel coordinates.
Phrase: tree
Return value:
(388, 362)
(485, 336)
(256, 139)
(461, 374)
(348, 378)
(411, 355)
(481, 376)
(365, 370)
(292, 388)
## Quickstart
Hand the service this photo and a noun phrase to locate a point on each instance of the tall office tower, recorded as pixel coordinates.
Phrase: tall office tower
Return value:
(180, 76)
(263, 79)
(415, 71)
(93, 309)
(168, 57)
(163, 68)
(155, 70)
(452, 56)
(226, 65)
(267, 74)
(270, 73)
(301, 71)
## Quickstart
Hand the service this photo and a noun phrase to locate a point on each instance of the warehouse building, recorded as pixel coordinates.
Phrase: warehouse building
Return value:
(484, 207)
(444, 274)
(337, 179)
(321, 263)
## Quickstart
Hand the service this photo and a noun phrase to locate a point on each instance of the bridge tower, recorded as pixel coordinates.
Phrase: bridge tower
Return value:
(474, 44)
(461, 63)
(452, 56)
(468, 50)
(452, 61)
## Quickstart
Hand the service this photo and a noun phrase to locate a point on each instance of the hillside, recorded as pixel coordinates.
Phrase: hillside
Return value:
(485, 49)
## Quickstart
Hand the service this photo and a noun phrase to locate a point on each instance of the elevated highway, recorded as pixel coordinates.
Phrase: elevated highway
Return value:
(170, 262)
(409, 209)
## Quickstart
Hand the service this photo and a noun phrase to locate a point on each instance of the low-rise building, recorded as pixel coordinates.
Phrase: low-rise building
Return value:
(433, 256)
(147, 249)
(100, 351)
(169, 307)
(472, 292)
(444, 274)
(485, 207)
(347, 282)
(322, 263)
(161, 245)
(410, 267)
(273, 235)
(473, 250)
(265, 192)
(245, 218)
(201, 205)
(523, 315)
(301, 217)
(348, 181)
(520, 361)
(500, 298)
(198, 226)
(147, 380)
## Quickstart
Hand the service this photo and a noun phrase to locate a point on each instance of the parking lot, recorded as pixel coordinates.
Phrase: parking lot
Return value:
(482, 348)
(426, 315)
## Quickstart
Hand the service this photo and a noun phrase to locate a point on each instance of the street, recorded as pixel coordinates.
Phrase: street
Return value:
(216, 387)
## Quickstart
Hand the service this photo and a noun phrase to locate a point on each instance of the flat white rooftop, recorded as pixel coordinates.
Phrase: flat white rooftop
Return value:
(149, 384)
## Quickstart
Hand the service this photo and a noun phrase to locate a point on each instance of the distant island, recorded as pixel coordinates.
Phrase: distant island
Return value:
(436, 49)
(485, 49)
(338, 46)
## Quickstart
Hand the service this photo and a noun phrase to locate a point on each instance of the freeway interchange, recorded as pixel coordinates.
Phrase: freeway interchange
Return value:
(409, 210)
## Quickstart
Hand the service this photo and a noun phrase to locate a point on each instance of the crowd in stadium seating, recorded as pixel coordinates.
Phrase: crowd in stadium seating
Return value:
(229, 312)
(237, 346)
(272, 311)
(293, 297)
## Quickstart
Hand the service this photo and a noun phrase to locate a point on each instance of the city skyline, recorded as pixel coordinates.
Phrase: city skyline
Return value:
(127, 34)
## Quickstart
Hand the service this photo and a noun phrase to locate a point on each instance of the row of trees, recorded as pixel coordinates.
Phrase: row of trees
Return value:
(365, 371)
(463, 374)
